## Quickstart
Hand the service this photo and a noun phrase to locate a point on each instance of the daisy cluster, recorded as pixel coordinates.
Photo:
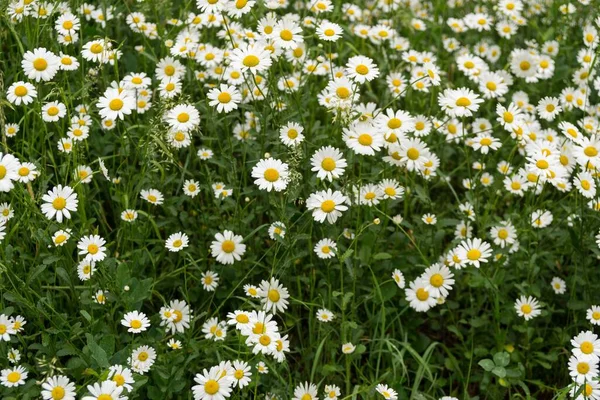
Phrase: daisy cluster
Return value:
(227, 186)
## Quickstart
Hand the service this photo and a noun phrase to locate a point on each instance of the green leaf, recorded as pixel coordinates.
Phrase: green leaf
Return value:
(487, 364)
(98, 353)
(382, 256)
(502, 359)
(499, 372)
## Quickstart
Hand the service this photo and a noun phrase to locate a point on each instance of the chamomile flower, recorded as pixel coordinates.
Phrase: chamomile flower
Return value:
(142, 359)
(327, 205)
(361, 69)
(21, 93)
(271, 174)
(129, 215)
(387, 392)
(527, 307)
(225, 98)
(324, 315)
(439, 280)
(115, 104)
(558, 285)
(593, 315)
(177, 242)
(59, 203)
(306, 391)
(325, 248)
(152, 196)
(40, 64)
(13, 377)
(61, 237)
(227, 247)
(135, 321)
(583, 369)
(210, 281)
(474, 252)
(460, 102)
(273, 295)
(419, 298)
(277, 229)
(183, 117)
(291, 134)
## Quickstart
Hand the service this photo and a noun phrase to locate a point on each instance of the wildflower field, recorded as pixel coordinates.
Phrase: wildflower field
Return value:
(306, 200)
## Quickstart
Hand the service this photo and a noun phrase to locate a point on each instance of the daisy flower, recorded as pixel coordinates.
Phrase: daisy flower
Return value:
(225, 98)
(419, 298)
(460, 102)
(348, 348)
(277, 229)
(583, 369)
(227, 247)
(59, 203)
(329, 163)
(306, 391)
(361, 69)
(6, 328)
(13, 377)
(21, 93)
(129, 215)
(40, 64)
(210, 281)
(593, 315)
(152, 196)
(291, 134)
(61, 237)
(253, 57)
(183, 117)
(122, 376)
(141, 360)
(527, 307)
(115, 104)
(387, 392)
(363, 138)
(177, 242)
(439, 280)
(92, 248)
(271, 174)
(326, 205)
(325, 248)
(273, 296)
(241, 374)
(586, 345)
(474, 251)
(329, 31)
(105, 390)
(135, 321)
(325, 315)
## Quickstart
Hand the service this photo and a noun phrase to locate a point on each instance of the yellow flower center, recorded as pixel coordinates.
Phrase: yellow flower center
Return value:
(228, 246)
(362, 69)
(20, 91)
(436, 280)
(259, 328)
(342, 92)
(274, 295)
(96, 48)
(60, 238)
(590, 151)
(224, 97)
(473, 254)
(365, 139)
(526, 309)
(40, 64)
(422, 294)
(394, 123)
(57, 393)
(115, 104)
(328, 164)
(491, 86)
(413, 153)
(52, 111)
(59, 203)
(119, 380)
(239, 374)
(169, 70)
(271, 174)
(136, 324)
(503, 234)
(463, 102)
(587, 347)
(13, 377)
(583, 368)
(286, 35)
(265, 340)
(542, 164)
(328, 206)
(525, 65)
(242, 319)
(92, 249)
(183, 117)
(143, 356)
